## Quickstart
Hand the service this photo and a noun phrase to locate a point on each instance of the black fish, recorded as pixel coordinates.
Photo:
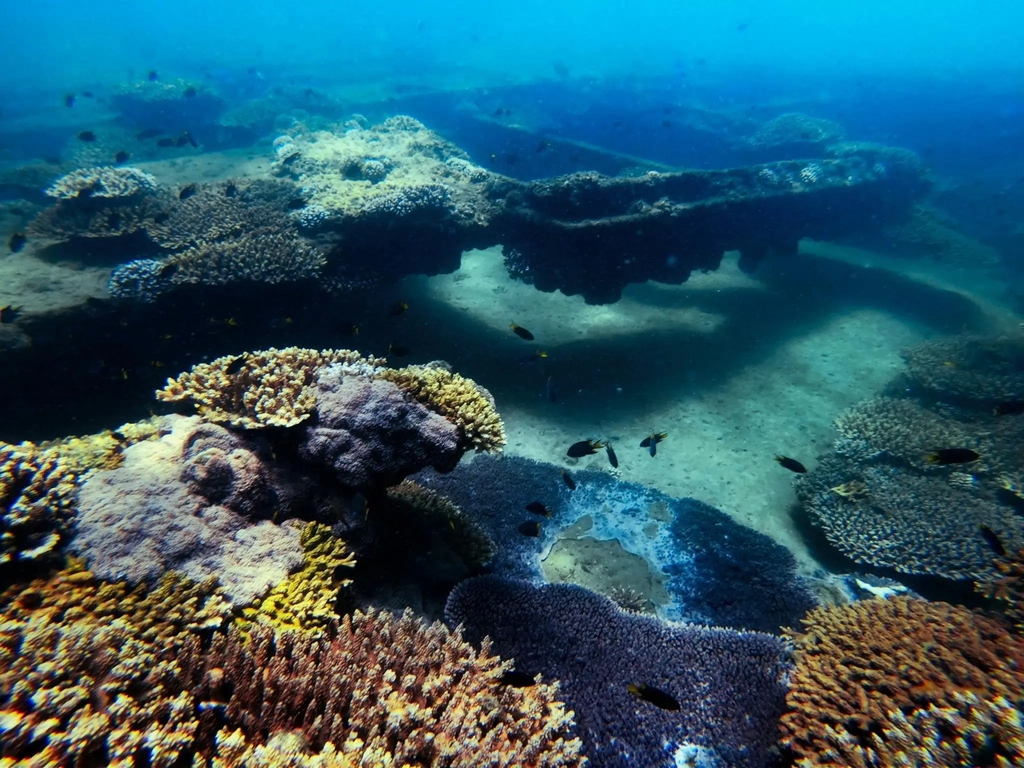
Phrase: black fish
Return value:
(651, 441)
(612, 458)
(69, 100)
(583, 448)
(148, 133)
(121, 157)
(538, 508)
(521, 332)
(165, 143)
(530, 528)
(542, 146)
(187, 191)
(17, 242)
(152, 76)
(397, 350)
(114, 221)
(1009, 408)
(569, 482)
(550, 390)
(87, 136)
(953, 456)
(398, 309)
(119, 436)
(296, 204)
(231, 190)
(235, 365)
(191, 139)
(87, 94)
(742, 27)
(291, 158)
(791, 464)
(653, 696)
(517, 679)
(499, 112)
(992, 539)
(168, 270)
(190, 92)
(9, 314)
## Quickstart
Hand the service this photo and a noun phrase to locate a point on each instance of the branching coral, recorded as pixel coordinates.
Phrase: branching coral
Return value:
(400, 691)
(266, 255)
(858, 663)
(269, 388)
(102, 182)
(981, 368)
(455, 397)
(307, 599)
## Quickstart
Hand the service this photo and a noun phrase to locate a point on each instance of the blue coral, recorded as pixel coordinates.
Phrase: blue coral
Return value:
(139, 280)
(730, 685)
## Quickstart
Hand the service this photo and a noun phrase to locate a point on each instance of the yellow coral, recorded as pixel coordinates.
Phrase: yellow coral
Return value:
(273, 387)
(460, 400)
(307, 598)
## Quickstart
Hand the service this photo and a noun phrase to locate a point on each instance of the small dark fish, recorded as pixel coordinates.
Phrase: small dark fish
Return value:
(69, 100)
(114, 221)
(231, 190)
(499, 112)
(530, 528)
(742, 27)
(187, 191)
(87, 136)
(701, 61)
(296, 204)
(236, 365)
(666, 123)
(398, 309)
(181, 141)
(953, 456)
(651, 441)
(87, 94)
(191, 92)
(791, 464)
(521, 332)
(569, 482)
(291, 158)
(517, 679)
(148, 133)
(538, 508)
(168, 271)
(17, 242)
(541, 146)
(165, 143)
(653, 695)
(1009, 408)
(121, 157)
(119, 436)
(612, 458)
(992, 539)
(162, 218)
(397, 350)
(152, 76)
(583, 448)
(550, 390)
(9, 314)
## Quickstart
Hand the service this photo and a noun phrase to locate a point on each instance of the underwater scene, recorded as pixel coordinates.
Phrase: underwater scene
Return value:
(415, 385)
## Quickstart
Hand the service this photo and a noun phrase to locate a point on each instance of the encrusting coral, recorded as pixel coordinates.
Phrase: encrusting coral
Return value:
(859, 663)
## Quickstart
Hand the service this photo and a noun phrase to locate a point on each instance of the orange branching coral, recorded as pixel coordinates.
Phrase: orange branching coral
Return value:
(1008, 588)
(858, 663)
(394, 689)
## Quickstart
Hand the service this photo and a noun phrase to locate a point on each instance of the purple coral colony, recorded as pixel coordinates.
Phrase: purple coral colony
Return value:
(373, 420)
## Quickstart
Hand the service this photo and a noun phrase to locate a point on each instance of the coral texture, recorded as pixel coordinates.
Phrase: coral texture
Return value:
(858, 663)
(188, 501)
(1006, 587)
(102, 182)
(982, 368)
(796, 128)
(730, 685)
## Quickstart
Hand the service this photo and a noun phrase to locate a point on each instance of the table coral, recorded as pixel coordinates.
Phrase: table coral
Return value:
(860, 662)
(984, 368)
(796, 128)
(102, 182)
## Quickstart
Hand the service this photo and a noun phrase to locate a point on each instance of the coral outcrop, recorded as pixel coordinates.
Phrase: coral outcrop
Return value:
(860, 664)
(730, 686)
(103, 182)
(1006, 587)
(969, 367)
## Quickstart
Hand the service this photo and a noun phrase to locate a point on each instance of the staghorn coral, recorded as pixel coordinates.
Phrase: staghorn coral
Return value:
(271, 388)
(455, 397)
(102, 182)
(860, 662)
(980, 368)
(915, 523)
(730, 685)
(968, 733)
(307, 599)
(398, 691)
(38, 490)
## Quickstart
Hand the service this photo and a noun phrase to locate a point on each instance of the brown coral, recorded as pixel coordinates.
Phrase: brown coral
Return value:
(984, 368)
(858, 663)
(460, 400)
(400, 691)
(273, 387)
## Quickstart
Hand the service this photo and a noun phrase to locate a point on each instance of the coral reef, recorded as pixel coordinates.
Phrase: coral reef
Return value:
(103, 182)
(189, 502)
(38, 490)
(399, 691)
(270, 388)
(1006, 587)
(730, 685)
(307, 599)
(174, 101)
(859, 664)
(980, 368)
(795, 130)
